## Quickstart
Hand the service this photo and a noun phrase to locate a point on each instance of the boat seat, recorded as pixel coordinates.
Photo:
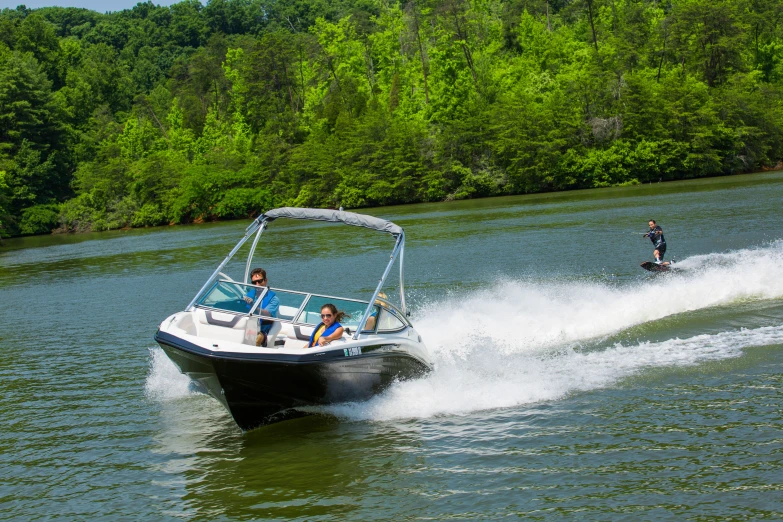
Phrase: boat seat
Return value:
(287, 312)
(292, 343)
(221, 326)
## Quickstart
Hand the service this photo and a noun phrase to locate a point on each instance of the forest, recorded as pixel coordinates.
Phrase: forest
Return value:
(189, 113)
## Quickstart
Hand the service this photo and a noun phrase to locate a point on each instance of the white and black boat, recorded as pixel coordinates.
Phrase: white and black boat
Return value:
(213, 340)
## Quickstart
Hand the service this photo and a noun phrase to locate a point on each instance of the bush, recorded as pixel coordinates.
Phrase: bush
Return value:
(149, 215)
(121, 213)
(40, 219)
(242, 202)
(78, 215)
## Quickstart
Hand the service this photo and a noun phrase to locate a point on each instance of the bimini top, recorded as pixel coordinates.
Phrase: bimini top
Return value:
(335, 216)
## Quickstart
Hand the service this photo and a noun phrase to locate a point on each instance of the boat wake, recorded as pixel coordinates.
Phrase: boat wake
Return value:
(523, 342)
(519, 343)
(484, 381)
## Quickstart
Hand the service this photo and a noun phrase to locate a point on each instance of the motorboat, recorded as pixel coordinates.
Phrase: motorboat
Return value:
(213, 341)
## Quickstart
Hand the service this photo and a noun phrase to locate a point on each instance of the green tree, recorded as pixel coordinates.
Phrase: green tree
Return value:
(37, 36)
(4, 210)
(29, 135)
(708, 37)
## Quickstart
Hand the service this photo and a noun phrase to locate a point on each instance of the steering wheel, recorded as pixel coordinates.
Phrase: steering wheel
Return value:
(224, 276)
(237, 293)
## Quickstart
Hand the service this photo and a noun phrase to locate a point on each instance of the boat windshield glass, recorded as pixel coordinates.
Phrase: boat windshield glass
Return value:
(311, 314)
(230, 296)
(296, 307)
(389, 322)
(290, 303)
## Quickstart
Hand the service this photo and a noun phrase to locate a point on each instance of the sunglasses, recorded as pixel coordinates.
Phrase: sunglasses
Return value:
(258, 281)
(325, 315)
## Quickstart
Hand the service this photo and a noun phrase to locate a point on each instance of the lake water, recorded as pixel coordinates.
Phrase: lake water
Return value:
(569, 383)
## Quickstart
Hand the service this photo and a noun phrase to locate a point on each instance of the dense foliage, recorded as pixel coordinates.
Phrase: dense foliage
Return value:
(185, 113)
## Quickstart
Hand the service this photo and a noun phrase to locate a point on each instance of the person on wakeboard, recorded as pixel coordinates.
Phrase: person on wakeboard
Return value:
(656, 236)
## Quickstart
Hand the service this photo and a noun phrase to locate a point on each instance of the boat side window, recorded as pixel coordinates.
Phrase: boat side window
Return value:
(396, 311)
(388, 322)
(290, 302)
(372, 321)
(311, 314)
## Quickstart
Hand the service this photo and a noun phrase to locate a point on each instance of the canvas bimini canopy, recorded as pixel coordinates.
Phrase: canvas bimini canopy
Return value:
(258, 226)
(335, 216)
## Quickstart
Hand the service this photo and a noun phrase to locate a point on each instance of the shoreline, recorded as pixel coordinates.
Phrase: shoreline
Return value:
(778, 168)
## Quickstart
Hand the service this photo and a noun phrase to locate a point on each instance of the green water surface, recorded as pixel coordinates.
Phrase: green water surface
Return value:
(569, 383)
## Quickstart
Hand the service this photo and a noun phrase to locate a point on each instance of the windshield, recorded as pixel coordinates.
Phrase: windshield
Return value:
(296, 307)
(311, 314)
(230, 296)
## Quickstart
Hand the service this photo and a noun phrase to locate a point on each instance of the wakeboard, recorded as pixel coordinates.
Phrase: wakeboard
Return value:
(653, 267)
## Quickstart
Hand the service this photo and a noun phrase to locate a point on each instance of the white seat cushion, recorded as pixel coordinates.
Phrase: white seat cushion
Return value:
(220, 326)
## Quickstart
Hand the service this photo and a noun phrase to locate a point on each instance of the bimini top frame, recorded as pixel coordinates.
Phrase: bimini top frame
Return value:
(313, 214)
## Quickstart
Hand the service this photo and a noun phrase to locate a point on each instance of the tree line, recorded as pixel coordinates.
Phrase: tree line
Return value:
(194, 112)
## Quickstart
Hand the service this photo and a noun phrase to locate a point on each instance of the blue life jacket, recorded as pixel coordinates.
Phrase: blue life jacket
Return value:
(265, 301)
(264, 325)
(328, 331)
(253, 294)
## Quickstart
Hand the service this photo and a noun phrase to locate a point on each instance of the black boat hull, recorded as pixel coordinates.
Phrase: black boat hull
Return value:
(259, 389)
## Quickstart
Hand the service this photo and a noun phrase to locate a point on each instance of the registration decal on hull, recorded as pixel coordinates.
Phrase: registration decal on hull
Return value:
(352, 351)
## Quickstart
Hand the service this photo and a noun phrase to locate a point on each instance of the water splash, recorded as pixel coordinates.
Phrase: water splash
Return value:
(524, 317)
(164, 380)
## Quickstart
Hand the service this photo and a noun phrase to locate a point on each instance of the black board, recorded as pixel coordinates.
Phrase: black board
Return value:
(652, 267)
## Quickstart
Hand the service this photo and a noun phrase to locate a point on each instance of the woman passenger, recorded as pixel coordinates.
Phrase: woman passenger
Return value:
(330, 327)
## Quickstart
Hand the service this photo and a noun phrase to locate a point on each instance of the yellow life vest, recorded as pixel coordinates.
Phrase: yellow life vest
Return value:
(318, 334)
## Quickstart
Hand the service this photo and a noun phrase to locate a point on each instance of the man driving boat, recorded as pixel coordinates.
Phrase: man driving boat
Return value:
(269, 304)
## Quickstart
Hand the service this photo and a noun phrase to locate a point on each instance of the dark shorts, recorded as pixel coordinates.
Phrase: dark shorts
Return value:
(661, 249)
(265, 326)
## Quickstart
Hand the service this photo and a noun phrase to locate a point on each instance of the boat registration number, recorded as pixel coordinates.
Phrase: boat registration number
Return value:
(352, 351)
